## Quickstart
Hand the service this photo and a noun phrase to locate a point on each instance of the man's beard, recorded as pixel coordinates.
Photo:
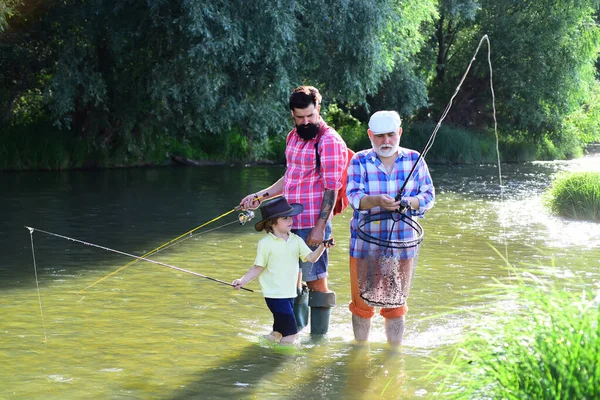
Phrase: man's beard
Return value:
(386, 150)
(308, 131)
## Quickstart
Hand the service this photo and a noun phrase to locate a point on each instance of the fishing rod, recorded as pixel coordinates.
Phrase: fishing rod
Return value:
(433, 135)
(242, 218)
(138, 258)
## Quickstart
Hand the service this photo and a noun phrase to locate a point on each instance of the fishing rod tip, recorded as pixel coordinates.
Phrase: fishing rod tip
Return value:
(30, 229)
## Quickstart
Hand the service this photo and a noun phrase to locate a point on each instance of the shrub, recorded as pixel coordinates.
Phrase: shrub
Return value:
(350, 129)
(452, 144)
(575, 195)
(535, 341)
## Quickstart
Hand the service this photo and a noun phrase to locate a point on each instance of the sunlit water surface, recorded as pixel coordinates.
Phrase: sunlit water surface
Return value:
(150, 332)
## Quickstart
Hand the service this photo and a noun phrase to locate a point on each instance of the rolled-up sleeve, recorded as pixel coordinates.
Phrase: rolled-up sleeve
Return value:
(355, 188)
(333, 153)
(426, 194)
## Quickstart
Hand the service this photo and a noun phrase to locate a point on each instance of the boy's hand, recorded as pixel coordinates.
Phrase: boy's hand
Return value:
(329, 243)
(237, 284)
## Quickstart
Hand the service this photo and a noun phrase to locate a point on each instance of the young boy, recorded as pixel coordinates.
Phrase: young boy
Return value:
(276, 265)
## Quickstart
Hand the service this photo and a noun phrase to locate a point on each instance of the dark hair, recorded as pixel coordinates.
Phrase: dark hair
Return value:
(268, 226)
(304, 96)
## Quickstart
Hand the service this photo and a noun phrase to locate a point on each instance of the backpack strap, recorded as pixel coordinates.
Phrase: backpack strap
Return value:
(317, 156)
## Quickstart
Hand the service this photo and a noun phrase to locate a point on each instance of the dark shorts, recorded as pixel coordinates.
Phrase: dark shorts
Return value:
(284, 320)
(313, 271)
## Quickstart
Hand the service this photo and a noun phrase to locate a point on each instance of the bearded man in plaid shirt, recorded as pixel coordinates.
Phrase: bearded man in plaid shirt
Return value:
(316, 158)
(375, 176)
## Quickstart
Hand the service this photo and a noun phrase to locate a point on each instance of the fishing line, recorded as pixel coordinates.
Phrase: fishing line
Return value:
(138, 258)
(177, 240)
(445, 113)
(155, 251)
(433, 135)
(37, 283)
(196, 235)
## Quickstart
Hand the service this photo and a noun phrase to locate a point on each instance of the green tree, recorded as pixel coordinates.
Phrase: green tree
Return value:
(455, 17)
(543, 55)
(7, 10)
(405, 88)
(119, 73)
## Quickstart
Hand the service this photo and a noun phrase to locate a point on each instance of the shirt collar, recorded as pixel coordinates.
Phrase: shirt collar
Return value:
(278, 238)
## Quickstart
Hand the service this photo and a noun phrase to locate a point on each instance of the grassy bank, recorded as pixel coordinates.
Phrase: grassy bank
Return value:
(535, 340)
(575, 195)
(40, 146)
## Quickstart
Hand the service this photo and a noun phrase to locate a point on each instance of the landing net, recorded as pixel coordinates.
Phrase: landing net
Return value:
(389, 244)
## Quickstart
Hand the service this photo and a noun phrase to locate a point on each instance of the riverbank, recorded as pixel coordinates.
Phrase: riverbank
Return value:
(48, 148)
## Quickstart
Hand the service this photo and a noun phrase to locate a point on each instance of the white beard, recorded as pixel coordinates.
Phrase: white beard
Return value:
(386, 150)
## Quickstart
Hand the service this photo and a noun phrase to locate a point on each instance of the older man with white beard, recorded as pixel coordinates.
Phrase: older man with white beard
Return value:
(375, 176)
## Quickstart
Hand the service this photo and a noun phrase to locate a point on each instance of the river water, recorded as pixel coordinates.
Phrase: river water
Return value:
(150, 332)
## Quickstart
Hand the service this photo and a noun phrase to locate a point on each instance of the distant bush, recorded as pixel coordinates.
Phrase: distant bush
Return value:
(350, 129)
(576, 195)
(453, 145)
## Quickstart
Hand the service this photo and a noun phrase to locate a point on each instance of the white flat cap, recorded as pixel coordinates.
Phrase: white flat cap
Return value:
(384, 122)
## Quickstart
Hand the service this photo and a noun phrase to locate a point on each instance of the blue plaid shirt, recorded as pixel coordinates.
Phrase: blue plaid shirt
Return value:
(368, 176)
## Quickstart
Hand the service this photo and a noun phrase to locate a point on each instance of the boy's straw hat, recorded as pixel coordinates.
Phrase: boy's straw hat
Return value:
(275, 209)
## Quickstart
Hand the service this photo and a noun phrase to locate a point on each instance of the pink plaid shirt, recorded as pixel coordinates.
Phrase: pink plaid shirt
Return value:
(302, 182)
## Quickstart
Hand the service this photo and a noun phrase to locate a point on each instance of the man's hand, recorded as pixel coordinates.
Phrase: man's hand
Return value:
(388, 202)
(250, 202)
(316, 236)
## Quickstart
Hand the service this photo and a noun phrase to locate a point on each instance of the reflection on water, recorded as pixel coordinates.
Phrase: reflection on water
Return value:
(151, 332)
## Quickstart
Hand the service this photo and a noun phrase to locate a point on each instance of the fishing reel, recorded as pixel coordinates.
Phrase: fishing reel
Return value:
(404, 206)
(329, 242)
(245, 216)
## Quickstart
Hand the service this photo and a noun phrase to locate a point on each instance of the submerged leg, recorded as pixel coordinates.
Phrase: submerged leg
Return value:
(287, 340)
(361, 328)
(394, 330)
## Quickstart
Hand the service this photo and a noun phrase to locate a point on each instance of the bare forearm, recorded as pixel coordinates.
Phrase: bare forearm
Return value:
(253, 200)
(252, 273)
(329, 198)
(314, 256)
(367, 202)
(272, 191)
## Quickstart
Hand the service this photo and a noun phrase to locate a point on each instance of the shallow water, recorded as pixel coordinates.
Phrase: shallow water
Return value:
(150, 332)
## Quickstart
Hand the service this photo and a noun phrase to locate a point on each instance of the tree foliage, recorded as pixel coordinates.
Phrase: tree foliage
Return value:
(543, 55)
(119, 74)
(405, 88)
(113, 72)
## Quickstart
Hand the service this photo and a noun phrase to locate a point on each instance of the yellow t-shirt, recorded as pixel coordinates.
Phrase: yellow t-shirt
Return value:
(279, 258)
